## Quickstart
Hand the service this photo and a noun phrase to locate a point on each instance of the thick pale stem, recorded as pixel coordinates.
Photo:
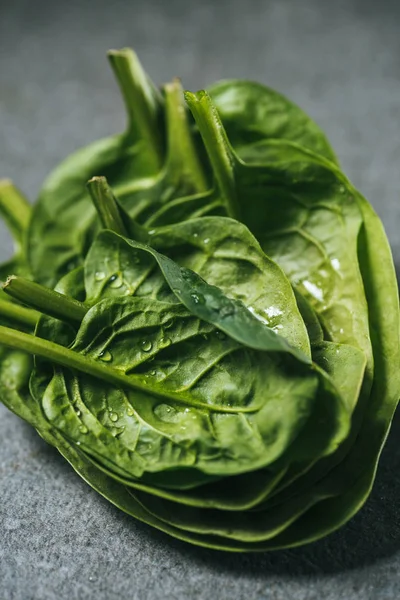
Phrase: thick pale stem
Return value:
(14, 209)
(74, 360)
(106, 205)
(18, 314)
(45, 300)
(182, 155)
(217, 146)
(143, 103)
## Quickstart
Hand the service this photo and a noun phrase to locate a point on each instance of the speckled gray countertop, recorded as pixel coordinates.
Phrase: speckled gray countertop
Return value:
(341, 62)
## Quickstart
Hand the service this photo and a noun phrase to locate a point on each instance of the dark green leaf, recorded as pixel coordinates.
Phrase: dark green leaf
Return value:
(252, 112)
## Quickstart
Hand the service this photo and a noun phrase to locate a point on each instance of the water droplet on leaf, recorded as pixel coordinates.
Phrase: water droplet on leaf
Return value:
(165, 342)
(83, 429)
(186, 274)
(105, 356)
(99, 276)
(114, 417)
(115, 281)
(166, 413)
(335, 264)
(314, 290)
(198, 298)
(146, 345)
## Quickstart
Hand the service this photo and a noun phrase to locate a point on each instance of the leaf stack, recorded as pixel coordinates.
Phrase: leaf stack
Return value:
(202, 317)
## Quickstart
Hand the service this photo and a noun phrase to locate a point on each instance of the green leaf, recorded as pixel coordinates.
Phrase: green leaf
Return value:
(252, 112)
(304, 216)
(155, 160)
(15, 371)
(221, 251)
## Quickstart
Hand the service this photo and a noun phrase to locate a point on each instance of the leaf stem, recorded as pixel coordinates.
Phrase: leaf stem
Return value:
(106, 205)
(217, 145)
(14, 209)
(74, 360)
(44, 299)
(182, 155)
(18, 314)
(142, 101)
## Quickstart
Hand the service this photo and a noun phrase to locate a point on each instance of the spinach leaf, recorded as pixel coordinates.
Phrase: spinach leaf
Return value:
(230, 256)
(251, 112)
(15, 371)
(293, 203)
(146, 165)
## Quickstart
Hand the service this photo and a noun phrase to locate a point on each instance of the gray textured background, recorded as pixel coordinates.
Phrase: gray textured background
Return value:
(341, 62)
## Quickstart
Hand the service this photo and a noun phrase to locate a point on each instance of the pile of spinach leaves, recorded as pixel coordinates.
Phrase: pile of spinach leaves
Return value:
(202, 317)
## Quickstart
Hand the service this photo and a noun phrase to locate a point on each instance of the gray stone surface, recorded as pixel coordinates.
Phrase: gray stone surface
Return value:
(341, 62)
